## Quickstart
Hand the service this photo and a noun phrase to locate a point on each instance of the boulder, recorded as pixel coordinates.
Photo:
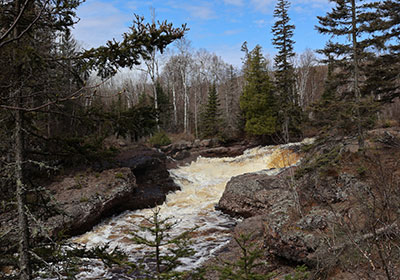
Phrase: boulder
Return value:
(83, 200)
(152, 177)
(271, 204)
(256, 193)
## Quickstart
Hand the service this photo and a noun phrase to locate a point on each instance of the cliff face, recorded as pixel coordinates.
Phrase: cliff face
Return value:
(337, 213)
(73, 204)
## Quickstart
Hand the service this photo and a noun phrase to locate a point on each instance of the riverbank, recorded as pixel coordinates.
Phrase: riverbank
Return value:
(335, 216)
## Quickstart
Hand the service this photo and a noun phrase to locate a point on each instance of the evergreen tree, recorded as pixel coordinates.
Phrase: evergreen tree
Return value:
(164, 107)
(290, 111)
(30, 87)
(349, 20)
(167, 250)
(382, 71)
(257, 101)
(210, 119)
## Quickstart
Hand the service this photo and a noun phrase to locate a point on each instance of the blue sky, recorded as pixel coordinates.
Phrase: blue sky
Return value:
(219, 26)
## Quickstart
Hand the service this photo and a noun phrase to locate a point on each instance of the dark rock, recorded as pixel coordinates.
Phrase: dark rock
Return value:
(181, 155)
(255, 193)
(152, 177)
(83, 200)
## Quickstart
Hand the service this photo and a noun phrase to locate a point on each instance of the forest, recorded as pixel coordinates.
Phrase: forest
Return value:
(59, 102)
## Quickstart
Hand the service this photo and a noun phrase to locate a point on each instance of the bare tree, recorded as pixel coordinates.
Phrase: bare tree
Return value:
(305, 64)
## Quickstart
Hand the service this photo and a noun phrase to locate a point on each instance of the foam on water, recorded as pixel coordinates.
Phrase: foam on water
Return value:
(202, 184)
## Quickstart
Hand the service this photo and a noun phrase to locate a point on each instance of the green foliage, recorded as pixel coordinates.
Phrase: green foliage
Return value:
(290, 113)
(299, 274)
(56, 259)
(323, 162)
(210, 118)
(167, 249)
(250, 259)
(160, 139)
(257, 102)
(164, 106)
(138, 43)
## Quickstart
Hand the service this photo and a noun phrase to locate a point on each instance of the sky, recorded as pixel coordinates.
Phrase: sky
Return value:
(219, 26)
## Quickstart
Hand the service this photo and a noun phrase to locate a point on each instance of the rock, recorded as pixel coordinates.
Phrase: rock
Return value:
(83, 200)
(254, 193)
(232, 151)
(181, 155)
(271, 203)
(152, 177)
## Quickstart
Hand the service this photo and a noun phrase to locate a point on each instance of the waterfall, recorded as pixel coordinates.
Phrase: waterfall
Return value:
(202, 184)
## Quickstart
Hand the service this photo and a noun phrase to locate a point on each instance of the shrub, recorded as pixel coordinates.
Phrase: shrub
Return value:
(160, 139)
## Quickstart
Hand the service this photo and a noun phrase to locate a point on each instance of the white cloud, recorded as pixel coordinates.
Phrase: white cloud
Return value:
(233, 31)
(201, 11)
(267, 6)
(100, 22)
(230, 54)
(261, 23)
(234, 2)
(315, 4)
(264, 6)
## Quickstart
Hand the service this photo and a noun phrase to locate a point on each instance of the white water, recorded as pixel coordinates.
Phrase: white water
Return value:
(202, 183)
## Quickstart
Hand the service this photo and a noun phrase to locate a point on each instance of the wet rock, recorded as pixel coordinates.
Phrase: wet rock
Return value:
(232, 151)
(271, 203)
(152, 177)
(83, 200)
(181, 155)
(254, 193)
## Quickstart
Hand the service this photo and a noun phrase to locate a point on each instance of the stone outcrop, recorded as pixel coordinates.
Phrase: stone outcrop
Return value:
(149, 167)
(83, 200)
(74, 203)
(314, 217)
(188, 151)
(255, 193)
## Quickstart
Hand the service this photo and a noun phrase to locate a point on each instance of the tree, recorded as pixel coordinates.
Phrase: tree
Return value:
(303, 73)
(211, 116)
(251, 258)
(27, 48)
(382, 72)
(284, 73)
(167, 249)
(350, 20)
(258, 101)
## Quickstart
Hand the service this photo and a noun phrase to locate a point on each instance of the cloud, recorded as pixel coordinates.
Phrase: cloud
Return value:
(100, 22)
(230, 54)
(261, 23)
(264, 6)
(233, 32)
(267, 6)
(204, 12)
(234, 2)
(315, 4)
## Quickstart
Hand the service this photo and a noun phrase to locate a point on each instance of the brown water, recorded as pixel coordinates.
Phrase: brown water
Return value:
(202, 183)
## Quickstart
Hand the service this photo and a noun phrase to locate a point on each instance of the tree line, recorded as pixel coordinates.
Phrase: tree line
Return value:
(54, 113)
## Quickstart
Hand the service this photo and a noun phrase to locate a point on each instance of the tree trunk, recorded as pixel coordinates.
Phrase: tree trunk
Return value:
(23, 248)
(357, 92)
(175, 107)
(24, 262)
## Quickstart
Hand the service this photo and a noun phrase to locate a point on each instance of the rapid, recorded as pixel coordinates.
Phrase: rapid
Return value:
(202, 184)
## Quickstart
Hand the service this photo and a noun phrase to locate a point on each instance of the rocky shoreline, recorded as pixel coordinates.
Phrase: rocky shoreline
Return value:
(294, 216)
(316, 215)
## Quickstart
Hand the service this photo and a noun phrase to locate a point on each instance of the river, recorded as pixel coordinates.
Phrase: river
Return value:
(202, 184)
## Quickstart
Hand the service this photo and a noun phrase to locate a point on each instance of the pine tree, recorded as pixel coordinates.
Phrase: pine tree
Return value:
(30, 64)
(290, 111)
(258, 102)
(349, 20)
(210, 119)
(167, 250)
(382, 71)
